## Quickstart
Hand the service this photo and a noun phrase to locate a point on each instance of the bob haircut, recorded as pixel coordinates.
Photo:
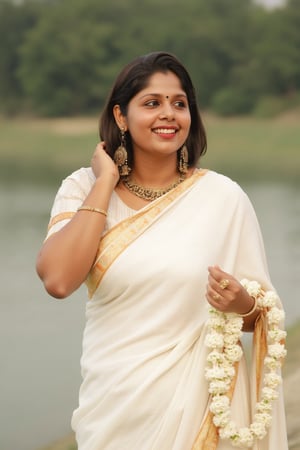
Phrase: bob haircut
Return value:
(132, 79)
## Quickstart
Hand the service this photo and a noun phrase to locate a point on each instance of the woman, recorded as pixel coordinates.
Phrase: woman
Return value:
(158, 242)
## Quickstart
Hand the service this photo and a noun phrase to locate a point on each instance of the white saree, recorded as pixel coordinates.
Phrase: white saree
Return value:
(143, 354)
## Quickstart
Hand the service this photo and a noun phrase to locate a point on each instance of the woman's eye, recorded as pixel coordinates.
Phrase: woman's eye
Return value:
(152, 103)
(180, 104)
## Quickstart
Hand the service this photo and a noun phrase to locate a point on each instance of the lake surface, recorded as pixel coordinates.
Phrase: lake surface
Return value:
(40, 337)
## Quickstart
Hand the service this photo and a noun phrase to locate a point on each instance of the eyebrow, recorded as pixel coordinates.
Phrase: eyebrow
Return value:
(153, 94)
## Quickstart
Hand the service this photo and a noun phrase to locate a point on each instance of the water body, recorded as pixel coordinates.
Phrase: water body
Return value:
(40, 338)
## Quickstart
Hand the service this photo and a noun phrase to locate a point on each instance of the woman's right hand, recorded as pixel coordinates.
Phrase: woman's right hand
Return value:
(103, 166)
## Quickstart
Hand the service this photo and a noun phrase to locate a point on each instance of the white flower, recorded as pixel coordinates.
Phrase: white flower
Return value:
(221, 420)
(272, 363)
(245, 437)
(275, 315)
(228, 431)
(269, 393)
(215, 358)
(229, 339)
(217, 322)
(233, 353)
(259, 429)
(218, 387)
(230, 371)
(252, 287)
(263, 418)
(277, 350)
(272, 380)
(269, 300)
(276, 335)
(217, 373)
(219, 404)
(214, 340)
(234, 325)
(264, 406)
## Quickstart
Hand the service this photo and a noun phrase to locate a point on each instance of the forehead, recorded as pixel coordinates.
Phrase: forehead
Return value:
(164, 83)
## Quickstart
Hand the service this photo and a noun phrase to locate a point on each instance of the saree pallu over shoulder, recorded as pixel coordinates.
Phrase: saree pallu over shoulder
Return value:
(120, 236)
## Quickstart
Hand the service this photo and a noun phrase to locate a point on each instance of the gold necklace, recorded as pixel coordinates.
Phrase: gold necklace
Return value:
(149, 194)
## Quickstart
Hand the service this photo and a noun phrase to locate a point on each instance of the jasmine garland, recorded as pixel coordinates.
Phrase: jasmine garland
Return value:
(225, 331)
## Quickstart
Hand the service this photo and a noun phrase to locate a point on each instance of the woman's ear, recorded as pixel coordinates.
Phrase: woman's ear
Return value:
(119, 118)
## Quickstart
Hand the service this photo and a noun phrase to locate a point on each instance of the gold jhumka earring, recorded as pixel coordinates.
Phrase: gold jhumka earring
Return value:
(183, 160)
(120, 156)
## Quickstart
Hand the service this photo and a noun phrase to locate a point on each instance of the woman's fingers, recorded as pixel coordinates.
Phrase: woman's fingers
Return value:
(224, 292)
(102, 164)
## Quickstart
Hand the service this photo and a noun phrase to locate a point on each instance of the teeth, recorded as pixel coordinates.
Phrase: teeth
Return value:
(164, 131)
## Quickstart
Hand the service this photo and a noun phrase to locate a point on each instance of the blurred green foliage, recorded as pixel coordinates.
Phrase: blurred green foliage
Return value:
(60, 57)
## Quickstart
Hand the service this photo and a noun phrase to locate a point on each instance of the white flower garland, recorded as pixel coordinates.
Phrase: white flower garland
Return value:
(225, 330)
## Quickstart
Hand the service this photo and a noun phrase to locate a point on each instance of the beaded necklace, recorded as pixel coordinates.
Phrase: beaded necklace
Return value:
(149, 194)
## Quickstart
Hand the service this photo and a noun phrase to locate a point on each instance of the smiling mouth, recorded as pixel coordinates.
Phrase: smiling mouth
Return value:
(166, 131)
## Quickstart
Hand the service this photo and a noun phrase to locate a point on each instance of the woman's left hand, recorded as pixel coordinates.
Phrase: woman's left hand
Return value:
(225, 293)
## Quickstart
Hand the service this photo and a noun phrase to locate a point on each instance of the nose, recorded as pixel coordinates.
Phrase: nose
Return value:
(167, 112)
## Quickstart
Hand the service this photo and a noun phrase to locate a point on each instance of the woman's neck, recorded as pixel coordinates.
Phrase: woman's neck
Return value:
(155, 173)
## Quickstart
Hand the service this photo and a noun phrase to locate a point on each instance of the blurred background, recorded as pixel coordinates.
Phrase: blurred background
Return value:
(58, 59)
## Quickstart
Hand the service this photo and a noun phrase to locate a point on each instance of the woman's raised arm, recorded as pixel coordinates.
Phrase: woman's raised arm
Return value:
(67, 256)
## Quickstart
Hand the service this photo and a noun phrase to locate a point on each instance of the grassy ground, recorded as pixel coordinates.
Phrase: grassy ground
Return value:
(45, 150)
(249, 148)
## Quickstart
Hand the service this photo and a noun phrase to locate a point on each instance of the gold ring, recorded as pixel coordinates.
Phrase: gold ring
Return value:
(224, 283)
(216, 297)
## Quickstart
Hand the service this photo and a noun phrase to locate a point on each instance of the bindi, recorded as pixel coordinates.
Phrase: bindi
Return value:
(167, 96)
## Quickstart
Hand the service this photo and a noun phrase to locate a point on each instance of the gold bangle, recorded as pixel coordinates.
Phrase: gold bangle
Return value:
(92, 209)
(254, 307)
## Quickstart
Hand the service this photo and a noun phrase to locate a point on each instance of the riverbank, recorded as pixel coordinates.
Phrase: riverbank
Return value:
(46, 150)
(291, 372)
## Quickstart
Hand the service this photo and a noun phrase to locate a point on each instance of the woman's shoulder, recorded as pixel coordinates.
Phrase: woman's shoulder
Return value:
(84, 174)
(220, 181)
(79, 181)
(227, 189)
(83, 177)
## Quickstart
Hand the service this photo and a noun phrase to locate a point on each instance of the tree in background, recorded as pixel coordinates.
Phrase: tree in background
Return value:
(14, 23)
(60, 57)
(77, 52)
(278, 53)
(267, 79)
(67, 57)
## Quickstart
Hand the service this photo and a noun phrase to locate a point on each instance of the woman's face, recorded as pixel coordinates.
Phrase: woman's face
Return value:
(158, 117)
